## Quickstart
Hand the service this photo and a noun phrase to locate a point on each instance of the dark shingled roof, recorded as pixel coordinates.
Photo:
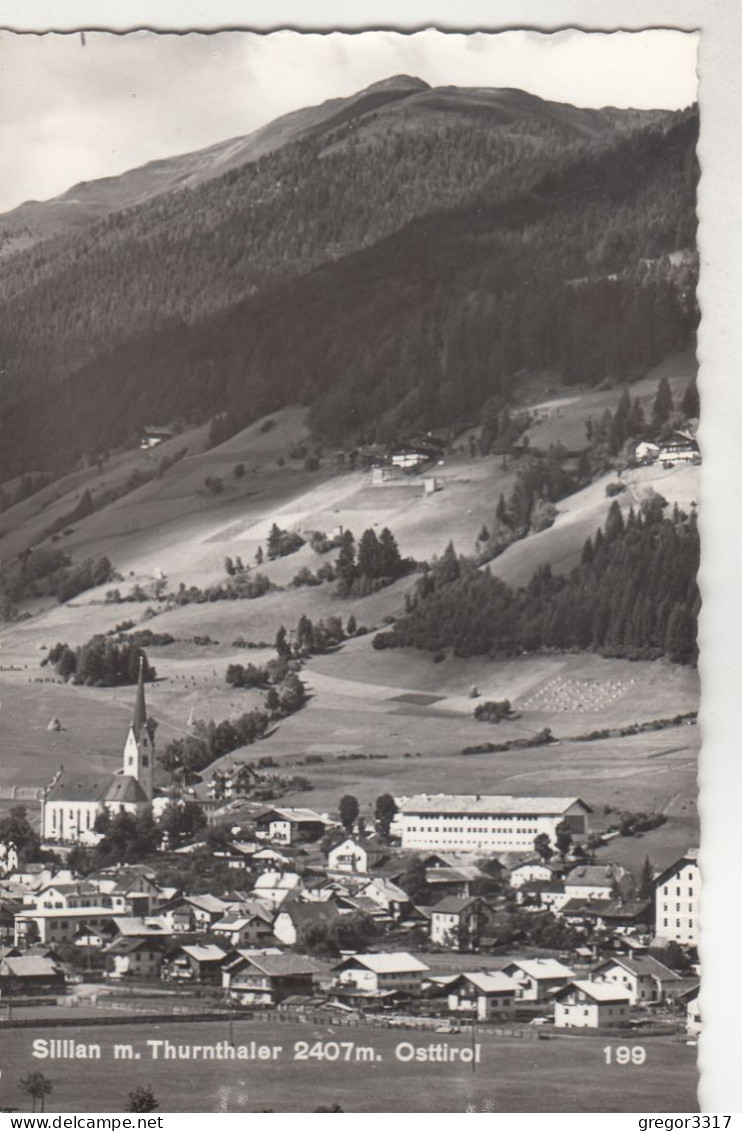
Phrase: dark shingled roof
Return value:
(303, 912)
(124, 788)
(282, 965)
(453, 905)
(80, 787)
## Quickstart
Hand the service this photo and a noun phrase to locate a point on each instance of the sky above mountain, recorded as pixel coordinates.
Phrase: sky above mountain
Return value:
(80, 107)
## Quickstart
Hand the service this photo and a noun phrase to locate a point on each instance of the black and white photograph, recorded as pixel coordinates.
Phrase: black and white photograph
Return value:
(350, 496)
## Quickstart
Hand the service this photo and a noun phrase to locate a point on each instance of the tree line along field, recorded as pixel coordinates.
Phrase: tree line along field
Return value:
(564, 1073)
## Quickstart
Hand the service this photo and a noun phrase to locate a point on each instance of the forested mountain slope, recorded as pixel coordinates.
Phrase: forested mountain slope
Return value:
(394, 262)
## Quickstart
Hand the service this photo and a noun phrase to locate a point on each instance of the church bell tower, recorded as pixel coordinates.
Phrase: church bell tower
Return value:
(139, 752)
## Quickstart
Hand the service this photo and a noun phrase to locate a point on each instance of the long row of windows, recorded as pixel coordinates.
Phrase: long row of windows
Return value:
(471, 829)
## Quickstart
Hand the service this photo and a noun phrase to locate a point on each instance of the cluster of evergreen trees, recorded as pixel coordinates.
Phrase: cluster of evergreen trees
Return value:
(282, 542)
(48, 570)
(311, 638)
(100, 663)
(634, 594)
(28, 486)
(541, 481)
(450, 258)
(210, 740)
(369, 566)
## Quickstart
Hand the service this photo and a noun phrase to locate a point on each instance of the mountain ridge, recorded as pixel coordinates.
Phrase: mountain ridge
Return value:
(35, 220)
(197, 302)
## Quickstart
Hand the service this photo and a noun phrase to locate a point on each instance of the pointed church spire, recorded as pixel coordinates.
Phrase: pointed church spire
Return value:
(139, 721)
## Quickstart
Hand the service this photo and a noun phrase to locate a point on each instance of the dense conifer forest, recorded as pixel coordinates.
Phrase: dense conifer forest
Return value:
(633, 595)
(395, 272)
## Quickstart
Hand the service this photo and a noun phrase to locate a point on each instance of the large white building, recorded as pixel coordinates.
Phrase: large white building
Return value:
(72, 802)
(677, 894)
(478, 823)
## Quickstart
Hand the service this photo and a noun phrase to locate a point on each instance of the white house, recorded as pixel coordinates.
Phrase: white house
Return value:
(273, 887)
(287, 826)
(386, 895)
(480, 823)
(693, 1023)
(537, 978)
(591, 1005)
(646, 451)
(530, 871)
(267, 977)
(458, 923)
(644, 979)
(677, 893)
(56, 926)
(297, 915)
(593, 881)
(486, 994)
(377, 973)
(250, 925)
(354, 855)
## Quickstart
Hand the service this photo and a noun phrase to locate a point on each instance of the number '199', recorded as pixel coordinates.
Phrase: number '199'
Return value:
(622, 1054)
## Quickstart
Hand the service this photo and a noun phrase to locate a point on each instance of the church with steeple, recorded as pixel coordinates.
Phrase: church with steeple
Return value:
(72, 802)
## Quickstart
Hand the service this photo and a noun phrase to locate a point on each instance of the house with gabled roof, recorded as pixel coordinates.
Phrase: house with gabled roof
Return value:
(267, 978)
(286, 825)
(458, 880)
(628, 914)
(484, 993)
(459, 923)
(549, 894)
(645, 979)
(538, 978)
(193, 912)
(135, 957)
(376, 973)
(274, 887)
(591, 1005)
(584, 912)
(248, 924)
(192, 963)
(135, 927)
(536, 869)
(593, 881)
(689, 999)
(296, 915)
(387, 895)
(356, 855)
(29, 974)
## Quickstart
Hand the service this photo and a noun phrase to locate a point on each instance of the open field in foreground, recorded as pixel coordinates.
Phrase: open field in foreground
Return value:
(565, 1073)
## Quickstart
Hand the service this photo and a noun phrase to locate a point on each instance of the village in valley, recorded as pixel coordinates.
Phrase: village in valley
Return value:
(470, 878)
(196, 880)
(348, 661)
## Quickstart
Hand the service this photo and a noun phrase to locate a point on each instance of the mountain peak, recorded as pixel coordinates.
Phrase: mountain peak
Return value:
(408, 83)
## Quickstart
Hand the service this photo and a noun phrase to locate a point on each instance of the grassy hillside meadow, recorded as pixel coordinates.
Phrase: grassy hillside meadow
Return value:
(400, 704)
